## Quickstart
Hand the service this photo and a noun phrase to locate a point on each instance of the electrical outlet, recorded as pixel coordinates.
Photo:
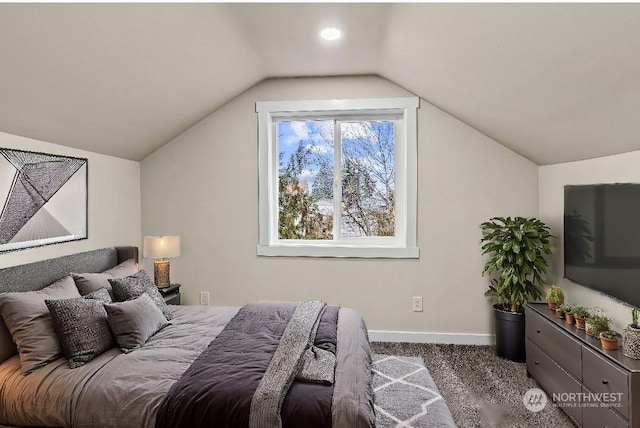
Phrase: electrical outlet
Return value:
(204, 299)
(417, 303)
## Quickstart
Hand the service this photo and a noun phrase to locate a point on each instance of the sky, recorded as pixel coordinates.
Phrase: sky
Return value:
(313, 134)
(318, 136)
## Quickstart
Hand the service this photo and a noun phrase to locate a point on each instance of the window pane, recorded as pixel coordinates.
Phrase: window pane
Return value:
(368, 178)
(305, 179)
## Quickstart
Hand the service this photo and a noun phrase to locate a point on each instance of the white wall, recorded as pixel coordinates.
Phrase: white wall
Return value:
(114, 202)
(621, 168)
(203, 185)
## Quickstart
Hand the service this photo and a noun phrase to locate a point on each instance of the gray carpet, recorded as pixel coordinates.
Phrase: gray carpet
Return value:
(406, 395)
(480, 389)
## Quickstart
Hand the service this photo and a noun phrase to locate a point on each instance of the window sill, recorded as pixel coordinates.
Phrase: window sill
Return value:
(340, 251)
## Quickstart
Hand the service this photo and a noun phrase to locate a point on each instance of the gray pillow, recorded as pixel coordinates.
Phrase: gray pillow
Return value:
(7, 347)
(133, 322)
(89, 282)
(101, 295)
(134, 286)
(81, 326)
(29, 322)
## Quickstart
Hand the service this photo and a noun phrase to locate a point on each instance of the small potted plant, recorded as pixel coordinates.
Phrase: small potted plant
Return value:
(567, 310)
(555, 296)
(609, 340)
(631, 337)
(581, 314)
(569, 317)
(561, 310)
(596, 324)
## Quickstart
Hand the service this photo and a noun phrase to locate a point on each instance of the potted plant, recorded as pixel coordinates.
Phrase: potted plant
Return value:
(561, 310)
(596, 324)
(569, 317)
(581, 314)
(555, 296)
(609, 340)
(631, 337)
(517, 248)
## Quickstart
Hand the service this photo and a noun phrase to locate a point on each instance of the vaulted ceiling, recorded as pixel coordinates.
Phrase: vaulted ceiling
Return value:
(553, 82)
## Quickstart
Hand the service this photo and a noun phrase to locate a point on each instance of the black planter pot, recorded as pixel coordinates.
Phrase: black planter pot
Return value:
(509, 334)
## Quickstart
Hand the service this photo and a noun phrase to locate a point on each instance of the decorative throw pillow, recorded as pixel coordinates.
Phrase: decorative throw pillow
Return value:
(89, 282)
(134, 286)
(7, 347)
(81, 326)
(29, 322)
(133, 322)
(101, 295)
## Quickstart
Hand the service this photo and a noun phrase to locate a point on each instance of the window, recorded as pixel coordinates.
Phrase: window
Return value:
(338, 178)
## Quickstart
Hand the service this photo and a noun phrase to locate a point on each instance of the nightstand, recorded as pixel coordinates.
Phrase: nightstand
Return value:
(171, 294)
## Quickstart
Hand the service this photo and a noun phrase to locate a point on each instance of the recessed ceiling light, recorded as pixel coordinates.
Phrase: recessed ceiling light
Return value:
(330, 33)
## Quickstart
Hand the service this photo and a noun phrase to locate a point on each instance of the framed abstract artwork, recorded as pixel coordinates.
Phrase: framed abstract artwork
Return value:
(44, 199)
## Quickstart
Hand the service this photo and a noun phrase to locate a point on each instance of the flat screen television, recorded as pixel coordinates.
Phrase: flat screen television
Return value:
(602, 239)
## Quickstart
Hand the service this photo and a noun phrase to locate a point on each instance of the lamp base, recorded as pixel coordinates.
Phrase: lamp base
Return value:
(161, 273)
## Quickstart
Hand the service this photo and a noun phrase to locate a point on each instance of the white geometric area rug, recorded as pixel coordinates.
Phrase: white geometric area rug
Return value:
(406, 396)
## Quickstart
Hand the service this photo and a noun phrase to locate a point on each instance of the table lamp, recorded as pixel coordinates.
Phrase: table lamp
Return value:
(161, 248)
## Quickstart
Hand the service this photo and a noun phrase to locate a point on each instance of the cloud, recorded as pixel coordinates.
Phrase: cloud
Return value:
(320, 149)
(308, 175)
(357, 130)
(300, 129)
(296, 131)
(293, 133)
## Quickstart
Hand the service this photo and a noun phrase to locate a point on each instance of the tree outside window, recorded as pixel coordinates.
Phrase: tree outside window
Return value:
(306, 174)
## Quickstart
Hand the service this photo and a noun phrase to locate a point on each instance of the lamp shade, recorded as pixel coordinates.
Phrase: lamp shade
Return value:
(161, 247)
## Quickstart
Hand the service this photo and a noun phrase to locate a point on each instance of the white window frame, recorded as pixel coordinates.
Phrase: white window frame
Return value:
(403, 244)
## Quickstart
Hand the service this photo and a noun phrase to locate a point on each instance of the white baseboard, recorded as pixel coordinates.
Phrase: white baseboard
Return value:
(428, 337)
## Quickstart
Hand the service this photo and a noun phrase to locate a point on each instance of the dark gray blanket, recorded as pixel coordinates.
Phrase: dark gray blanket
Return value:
(218, 387)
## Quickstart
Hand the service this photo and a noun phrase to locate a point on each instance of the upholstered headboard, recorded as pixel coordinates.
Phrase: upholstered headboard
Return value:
(37, 275)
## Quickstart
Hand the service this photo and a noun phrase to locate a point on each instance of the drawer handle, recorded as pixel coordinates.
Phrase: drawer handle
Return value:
(604, 381)
(536, 362)
(538, 331)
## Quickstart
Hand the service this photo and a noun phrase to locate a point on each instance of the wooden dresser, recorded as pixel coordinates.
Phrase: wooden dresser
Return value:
(570, 364)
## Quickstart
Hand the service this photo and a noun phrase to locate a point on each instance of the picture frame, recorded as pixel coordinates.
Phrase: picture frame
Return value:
(44, 199)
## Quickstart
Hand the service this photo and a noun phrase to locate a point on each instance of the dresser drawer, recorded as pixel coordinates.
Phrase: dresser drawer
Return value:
(601, 417)
(553, 379)
(601, 376)
(566, 351)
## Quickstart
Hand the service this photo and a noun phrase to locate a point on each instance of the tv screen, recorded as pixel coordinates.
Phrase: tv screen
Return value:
(602, 238)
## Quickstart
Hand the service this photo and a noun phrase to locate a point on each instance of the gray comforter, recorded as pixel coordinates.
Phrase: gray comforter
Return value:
(245, 378)
(124, 390)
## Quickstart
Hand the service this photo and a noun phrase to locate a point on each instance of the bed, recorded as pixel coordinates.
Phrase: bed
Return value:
(132, 389)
